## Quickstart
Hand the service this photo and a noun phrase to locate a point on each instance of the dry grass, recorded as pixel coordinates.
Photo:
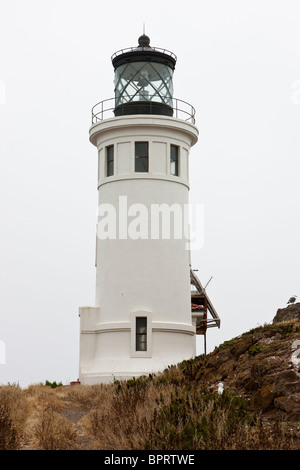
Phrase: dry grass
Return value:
(165, 412)
(54, 432)
(13, 415)
(122, 419)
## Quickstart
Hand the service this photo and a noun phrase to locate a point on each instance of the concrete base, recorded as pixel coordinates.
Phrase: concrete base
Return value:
(107, 351)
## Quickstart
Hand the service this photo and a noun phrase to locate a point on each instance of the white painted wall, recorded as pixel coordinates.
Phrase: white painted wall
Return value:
(139, 277)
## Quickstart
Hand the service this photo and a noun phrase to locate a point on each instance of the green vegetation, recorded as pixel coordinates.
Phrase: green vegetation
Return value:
(256, 348)
(195, 420)
(53, 384)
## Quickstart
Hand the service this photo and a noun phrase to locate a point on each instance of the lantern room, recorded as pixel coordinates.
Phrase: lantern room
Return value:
(143, 80)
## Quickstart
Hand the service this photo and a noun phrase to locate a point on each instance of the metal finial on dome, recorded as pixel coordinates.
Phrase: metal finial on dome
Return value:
(144, 41)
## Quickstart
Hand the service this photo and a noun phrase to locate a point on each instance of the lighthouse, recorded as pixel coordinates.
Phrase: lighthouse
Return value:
(142, 320)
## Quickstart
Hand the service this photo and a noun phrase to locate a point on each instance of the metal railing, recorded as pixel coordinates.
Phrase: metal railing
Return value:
(105, 109)
(134, 49)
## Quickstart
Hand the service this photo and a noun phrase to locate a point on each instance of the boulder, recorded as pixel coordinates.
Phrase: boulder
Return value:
(241, 347)
(287, 383)
(290, 405)
(263, 399)
(287, 313)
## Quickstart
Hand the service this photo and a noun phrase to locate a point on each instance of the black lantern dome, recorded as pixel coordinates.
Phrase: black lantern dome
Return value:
(144, 80)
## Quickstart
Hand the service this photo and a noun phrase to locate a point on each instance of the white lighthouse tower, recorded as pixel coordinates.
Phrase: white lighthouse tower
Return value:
(142, 320)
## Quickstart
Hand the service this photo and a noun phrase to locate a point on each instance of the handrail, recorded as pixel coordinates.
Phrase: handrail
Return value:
(105, 109)
(134, 49)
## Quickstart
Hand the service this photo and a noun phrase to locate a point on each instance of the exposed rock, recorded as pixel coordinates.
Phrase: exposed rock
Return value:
(290, 405)
(263, 399)
(215, 361)
(287, 313)
(287, 383)
(242, 346)
(263, 366)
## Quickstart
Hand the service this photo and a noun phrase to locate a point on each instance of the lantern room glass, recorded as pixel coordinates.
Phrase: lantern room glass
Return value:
(143, 81)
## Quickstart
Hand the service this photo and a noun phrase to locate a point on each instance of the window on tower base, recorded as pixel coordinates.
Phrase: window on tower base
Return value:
(141, 333)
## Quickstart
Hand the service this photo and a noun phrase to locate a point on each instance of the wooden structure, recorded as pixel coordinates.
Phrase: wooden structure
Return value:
(201, 306)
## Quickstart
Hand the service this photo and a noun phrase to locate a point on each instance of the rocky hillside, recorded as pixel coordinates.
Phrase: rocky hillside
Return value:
(262, 365)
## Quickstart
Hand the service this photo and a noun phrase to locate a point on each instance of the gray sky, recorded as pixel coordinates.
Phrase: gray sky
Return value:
(238, 65)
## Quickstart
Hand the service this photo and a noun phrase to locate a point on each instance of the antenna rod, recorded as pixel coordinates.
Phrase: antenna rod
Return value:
(208, 282)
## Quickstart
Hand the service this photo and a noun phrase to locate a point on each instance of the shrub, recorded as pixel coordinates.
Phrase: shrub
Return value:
(195, 420)
(53, 384)
(13, 414)
(255, 349)
(55, 432)
(9, 438)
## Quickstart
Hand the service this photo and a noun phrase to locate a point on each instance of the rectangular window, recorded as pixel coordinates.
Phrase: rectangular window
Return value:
(110, 160)
(141, 334)
(174, 157)
(141, 157)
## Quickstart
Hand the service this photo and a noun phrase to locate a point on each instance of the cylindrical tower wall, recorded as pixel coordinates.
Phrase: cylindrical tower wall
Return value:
(142, 244)
(142, 250)
(150, 272)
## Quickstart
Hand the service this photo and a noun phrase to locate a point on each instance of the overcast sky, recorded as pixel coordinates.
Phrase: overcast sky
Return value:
(239, 66)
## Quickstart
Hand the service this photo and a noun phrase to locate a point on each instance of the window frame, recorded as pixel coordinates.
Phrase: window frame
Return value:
(133, 346)
(141, 333)
(110, 162)
(137, 158)
(175, 161)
